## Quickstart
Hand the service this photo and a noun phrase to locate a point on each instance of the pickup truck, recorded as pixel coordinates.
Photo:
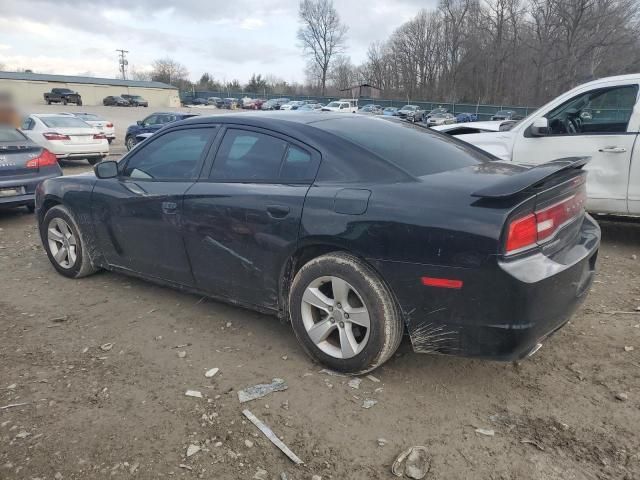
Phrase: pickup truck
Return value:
(600, 120)
(62, 95)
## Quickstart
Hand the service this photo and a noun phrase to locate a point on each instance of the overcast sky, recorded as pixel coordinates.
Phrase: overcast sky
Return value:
(227, 38)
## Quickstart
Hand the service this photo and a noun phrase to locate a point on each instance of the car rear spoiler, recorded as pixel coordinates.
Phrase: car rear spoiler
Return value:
(519, 183)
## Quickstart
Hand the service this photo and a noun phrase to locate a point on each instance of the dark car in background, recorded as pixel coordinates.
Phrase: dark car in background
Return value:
(23, 165)
(274, 103)
(198, 101)
(506, 115)
(413, 113)
(135, 100)
(216, 101)
(466, 117)
(114, 101)
(230, 103)
(62, 95)
(355, 228)
(371, 108)
(435, 111)
(152, 124)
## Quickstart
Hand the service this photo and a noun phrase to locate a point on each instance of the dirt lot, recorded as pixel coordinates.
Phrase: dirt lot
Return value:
(122, 412)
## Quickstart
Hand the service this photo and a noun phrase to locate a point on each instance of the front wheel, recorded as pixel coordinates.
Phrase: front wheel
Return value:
(64, 101)
(130, 142)
(343, 314)
(64, 243)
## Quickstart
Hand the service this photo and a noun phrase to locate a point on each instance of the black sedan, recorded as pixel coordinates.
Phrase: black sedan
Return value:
(23, 165)
(115, 101)
(354, 228)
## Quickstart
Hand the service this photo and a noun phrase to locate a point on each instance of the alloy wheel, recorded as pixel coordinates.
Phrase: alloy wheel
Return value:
(335, 317)
(62, 243)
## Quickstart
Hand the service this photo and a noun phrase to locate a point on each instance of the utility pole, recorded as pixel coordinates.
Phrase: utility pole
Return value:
(123, 62)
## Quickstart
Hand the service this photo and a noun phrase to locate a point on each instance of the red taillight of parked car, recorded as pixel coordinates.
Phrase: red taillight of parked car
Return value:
(109, 125)
(45, 159)
(541, 226)
(99, 136)
(55, 136)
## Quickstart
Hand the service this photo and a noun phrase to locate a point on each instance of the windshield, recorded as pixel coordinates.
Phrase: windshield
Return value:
(64, 122)
(334, 105)
(409, 107)
(439, 115)
(11, 135)
(417, 150)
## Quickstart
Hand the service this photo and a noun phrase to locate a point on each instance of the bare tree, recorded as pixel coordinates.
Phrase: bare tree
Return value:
(343, 73)
(322, 35)
(169, 71)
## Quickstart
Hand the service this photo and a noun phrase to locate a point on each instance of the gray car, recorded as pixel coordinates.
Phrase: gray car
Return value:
(23, 165)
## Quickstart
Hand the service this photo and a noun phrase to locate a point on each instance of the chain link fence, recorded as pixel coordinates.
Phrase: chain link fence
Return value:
(484, 112)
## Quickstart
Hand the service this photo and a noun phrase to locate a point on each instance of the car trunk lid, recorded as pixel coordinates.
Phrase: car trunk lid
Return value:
(14, 158)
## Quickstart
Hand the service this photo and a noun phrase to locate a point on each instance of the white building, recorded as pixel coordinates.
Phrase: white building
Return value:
(29, 88)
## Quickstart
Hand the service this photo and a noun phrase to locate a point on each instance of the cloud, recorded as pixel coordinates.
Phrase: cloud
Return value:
(237, 38)
(251, 23)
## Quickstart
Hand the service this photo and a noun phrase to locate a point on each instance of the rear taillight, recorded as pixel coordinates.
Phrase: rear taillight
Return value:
(109, 125)
(542, 225)
(99, 136)
(45, 159)
(55, 136)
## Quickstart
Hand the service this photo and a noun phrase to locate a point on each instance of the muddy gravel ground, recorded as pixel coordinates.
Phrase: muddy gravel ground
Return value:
(96, 365)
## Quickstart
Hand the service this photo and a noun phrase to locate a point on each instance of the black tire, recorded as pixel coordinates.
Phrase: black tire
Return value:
(79, 103)
(82, 266)
(31, 207)
(94, 160)
(48, 102)
(386, 327)
(130, 142)
(64, 101)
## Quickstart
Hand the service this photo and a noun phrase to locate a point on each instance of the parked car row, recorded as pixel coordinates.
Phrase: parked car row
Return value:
(124, 101)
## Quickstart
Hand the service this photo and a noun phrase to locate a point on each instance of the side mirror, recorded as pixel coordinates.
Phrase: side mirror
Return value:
(106, 169)
(540, 127)
(140, 123)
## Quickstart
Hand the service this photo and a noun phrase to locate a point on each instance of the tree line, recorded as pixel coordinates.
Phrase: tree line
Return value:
(508, 52)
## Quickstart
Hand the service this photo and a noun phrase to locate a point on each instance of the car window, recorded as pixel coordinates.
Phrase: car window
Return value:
(64, 122)
(172, 156)
(606, 110)
(151, 120)
(416, 150)
(299, 165)
(27, 124)
(248, 156)
(11, 135)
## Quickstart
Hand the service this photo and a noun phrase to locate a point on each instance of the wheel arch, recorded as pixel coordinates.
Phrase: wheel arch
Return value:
(313, 249)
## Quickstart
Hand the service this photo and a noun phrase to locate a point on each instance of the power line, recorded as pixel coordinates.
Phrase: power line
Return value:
(123, 62)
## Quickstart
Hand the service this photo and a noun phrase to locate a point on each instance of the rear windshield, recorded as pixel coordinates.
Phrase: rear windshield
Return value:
(89, 116)
(11, 135)
(417, 150)
(64, 122)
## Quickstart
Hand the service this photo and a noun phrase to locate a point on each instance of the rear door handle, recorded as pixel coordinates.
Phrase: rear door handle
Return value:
(277, 211)
(169, 208)
(613, 150)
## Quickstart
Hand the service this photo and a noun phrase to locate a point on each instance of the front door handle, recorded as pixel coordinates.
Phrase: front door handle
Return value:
(169, 208)
(613, 150)
(277, 211)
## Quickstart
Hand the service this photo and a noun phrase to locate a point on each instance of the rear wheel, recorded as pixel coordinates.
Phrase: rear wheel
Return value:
(94, 160)
(343, 314)
(31, 207)
(65, 244)
(79, 103)
(64, 101)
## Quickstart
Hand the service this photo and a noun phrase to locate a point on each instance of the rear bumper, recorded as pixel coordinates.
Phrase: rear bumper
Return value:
(503, 311)
(29, 184)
